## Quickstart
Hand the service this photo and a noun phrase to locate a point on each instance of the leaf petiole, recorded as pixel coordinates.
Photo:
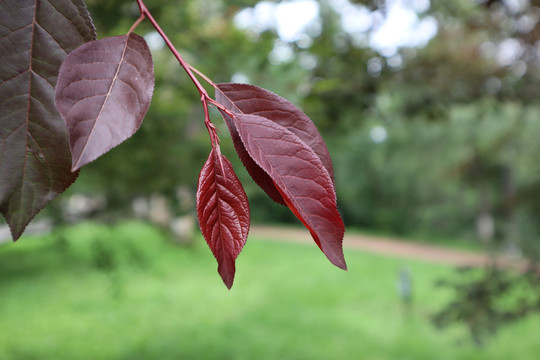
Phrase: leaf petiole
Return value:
(205, 98)
(144, 11)
(190, 70)
(206, 78)
(136, 23)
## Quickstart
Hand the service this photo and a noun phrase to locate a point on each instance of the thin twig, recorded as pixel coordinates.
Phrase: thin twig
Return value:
(206, 78)
(205, 98)
(136, 23)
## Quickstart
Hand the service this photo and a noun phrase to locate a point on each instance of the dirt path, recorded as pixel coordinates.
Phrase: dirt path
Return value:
(372, 244)
(390, 247)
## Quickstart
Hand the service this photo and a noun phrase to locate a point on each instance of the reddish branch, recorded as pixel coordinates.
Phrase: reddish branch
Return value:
(205, 98)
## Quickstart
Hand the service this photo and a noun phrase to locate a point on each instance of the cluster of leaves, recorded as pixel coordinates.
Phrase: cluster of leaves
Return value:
(68, 99)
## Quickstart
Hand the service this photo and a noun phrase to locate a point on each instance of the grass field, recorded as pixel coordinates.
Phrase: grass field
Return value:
(124, 292)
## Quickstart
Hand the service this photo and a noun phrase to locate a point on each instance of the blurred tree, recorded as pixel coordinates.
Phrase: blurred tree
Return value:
(457, 114)
(453, 111)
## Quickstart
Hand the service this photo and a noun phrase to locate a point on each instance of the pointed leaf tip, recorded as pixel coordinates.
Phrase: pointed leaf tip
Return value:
(275, 171)
(301, 178)
(34, 152)
(223, 213)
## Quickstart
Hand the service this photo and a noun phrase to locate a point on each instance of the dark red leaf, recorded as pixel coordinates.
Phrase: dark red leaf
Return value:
(301, 178)
(223, 212)
(255, 171)
(104, 90)
(35, 160)
(250, 99)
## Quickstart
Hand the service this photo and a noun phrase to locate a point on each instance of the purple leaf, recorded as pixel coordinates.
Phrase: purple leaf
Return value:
(255, 171)
(300, 176)
(250, 99)
(223, 212)
(35, 161)
(104, 90)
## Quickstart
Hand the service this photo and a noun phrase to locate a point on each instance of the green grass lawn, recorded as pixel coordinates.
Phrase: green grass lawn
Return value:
(125, 292)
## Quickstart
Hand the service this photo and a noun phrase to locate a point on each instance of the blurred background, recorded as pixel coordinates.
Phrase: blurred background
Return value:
(430, 111)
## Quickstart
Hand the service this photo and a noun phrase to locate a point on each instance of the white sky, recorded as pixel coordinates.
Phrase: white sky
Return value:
(289, 18)
(403, 28)
(399, 27)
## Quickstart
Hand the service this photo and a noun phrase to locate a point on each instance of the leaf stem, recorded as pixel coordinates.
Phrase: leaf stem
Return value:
(221, 107)
(205, 98)
(209, 99)
(136, 23)
(144, 11)
(206, 78)
(212, 130)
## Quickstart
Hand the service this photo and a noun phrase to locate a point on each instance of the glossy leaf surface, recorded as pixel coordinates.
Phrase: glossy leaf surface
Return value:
(35, 161)
(223, 212)
(301, 178)
(104, 90)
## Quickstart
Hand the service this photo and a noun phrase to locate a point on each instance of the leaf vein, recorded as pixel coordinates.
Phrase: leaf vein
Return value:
(67, 18)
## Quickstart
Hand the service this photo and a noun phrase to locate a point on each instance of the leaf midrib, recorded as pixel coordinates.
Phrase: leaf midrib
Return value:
(113, 82)
(28, 104)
